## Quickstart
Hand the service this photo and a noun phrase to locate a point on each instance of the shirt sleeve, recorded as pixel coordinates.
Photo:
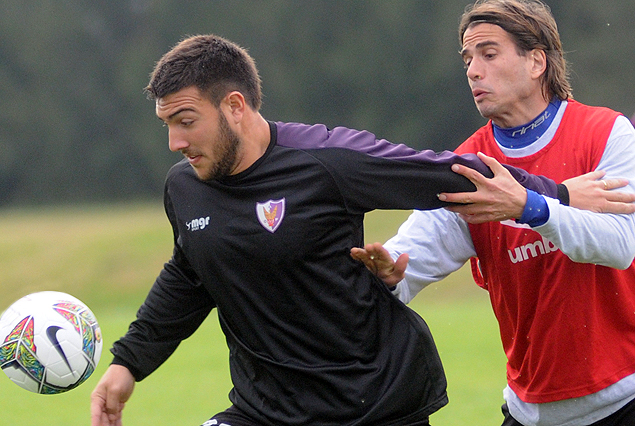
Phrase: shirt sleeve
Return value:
(603, 239)
(433, 166)
(438, 243)
(175, 307)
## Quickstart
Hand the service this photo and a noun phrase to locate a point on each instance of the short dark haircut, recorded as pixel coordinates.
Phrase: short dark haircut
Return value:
(214, 65)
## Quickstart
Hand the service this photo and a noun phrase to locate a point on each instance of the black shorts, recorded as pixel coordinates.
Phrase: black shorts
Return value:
(625, 416)
(234, 417)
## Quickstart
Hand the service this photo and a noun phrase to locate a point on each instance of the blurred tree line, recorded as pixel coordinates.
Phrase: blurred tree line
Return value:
(76, 127)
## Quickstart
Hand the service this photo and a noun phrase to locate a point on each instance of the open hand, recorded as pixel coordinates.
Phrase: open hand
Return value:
(591, 192)
(378, 261)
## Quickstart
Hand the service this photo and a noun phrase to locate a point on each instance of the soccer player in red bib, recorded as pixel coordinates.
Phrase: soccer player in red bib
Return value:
(561, 281)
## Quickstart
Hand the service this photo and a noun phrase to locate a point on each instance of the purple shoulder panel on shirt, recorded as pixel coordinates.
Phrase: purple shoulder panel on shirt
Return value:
(317, 136)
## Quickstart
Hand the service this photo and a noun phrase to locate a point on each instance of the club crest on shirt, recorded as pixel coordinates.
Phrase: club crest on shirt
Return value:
(270, 214)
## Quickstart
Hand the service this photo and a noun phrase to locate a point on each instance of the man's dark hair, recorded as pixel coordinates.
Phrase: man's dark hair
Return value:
(214, 65)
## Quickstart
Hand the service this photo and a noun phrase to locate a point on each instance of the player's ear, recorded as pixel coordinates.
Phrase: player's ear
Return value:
(538, 62)
(235, 104)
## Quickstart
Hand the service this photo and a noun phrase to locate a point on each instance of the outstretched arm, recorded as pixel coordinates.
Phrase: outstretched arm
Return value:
(502, 197)
(390, 176)
(587, 236)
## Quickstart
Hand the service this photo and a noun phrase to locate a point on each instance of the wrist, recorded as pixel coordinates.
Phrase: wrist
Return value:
(536, 212)
(563, 194)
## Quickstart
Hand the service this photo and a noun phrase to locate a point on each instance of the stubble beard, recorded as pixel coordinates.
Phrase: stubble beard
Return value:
(226, 152)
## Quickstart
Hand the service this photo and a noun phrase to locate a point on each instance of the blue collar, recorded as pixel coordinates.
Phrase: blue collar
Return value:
(522, 136)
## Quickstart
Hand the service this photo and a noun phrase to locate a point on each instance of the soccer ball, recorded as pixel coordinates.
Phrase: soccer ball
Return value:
(50, 342)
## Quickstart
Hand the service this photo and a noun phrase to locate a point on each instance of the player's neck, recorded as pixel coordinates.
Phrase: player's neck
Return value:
(255, 136)
(528, 133)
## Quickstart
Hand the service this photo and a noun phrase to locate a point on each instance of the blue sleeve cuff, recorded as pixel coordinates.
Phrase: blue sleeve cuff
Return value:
(536, 211)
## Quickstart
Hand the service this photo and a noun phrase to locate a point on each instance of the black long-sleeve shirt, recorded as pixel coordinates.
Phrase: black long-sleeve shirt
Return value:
(314, 337)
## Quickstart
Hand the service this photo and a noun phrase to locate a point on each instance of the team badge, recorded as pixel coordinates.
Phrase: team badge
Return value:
(270, 214)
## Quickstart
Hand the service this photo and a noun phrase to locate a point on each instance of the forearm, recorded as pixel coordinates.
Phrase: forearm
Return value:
(587, 237)
(604, 239)
(172, 311)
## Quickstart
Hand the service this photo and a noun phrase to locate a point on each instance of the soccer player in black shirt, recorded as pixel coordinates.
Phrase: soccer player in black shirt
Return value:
(264, 215)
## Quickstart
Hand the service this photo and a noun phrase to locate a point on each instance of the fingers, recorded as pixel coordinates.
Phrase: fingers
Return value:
(491, 162)
(617, 202)
(359, 254)
(370, 253)
(98, 415)
(378, 260)
(458, 197)
(484, 186)
(110, 395)
(594, 175)
(608, 184)
(376, 251)
(114, 407)
(373, 256)
(620, 197)
(473, 175)
(400, 266)
(620, 208)
(591, 191)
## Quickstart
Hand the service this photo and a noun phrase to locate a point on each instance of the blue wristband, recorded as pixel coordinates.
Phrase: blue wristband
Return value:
(536, 211)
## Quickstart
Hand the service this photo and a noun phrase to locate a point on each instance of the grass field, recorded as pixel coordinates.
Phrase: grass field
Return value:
(108, 256)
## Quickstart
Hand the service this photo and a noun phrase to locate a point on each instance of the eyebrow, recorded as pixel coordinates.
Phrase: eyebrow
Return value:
(174, 114)
(479, 46)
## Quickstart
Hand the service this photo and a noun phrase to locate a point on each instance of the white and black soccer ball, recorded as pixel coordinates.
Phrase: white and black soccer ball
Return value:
(50, 342)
